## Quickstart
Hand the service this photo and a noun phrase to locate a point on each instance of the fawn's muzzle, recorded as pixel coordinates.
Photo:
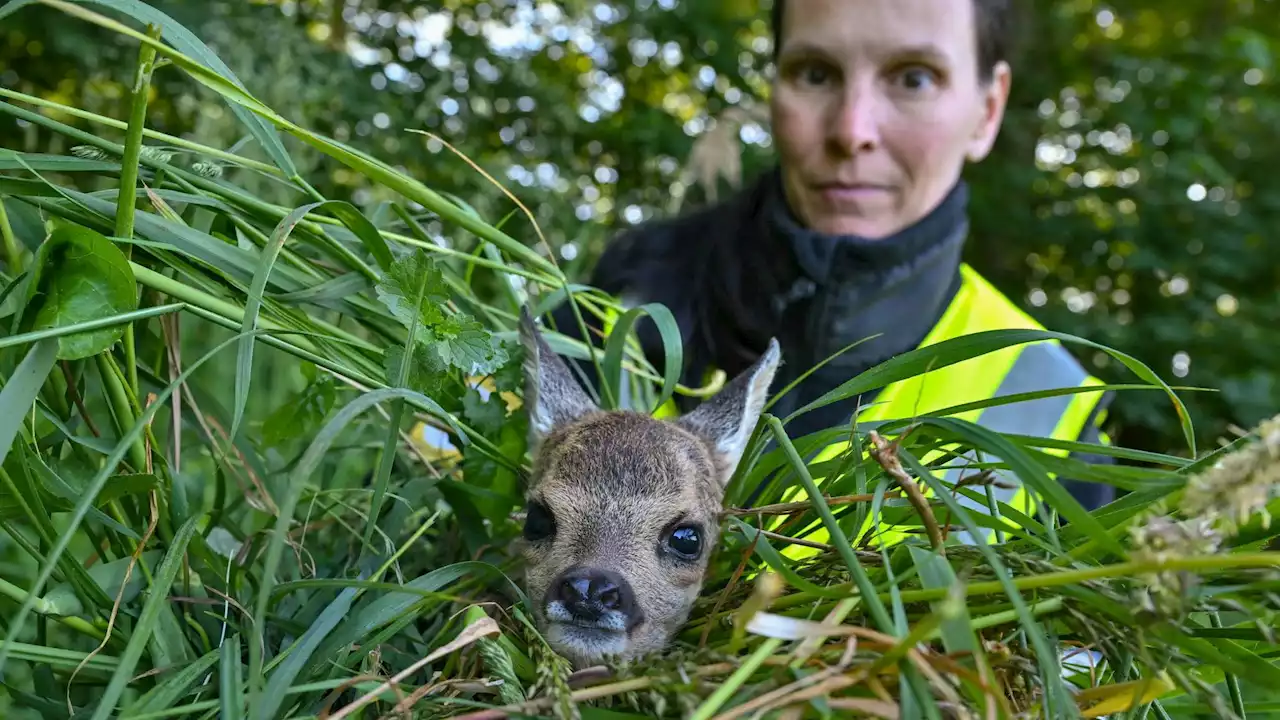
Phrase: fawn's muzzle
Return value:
(594, 596)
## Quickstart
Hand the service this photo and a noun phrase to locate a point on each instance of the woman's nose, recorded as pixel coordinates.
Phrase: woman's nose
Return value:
(854, 127)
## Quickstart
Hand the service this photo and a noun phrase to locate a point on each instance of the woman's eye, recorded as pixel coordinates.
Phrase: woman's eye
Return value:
(686, 541)
(539, 524)
(917, 78)
(814, 75)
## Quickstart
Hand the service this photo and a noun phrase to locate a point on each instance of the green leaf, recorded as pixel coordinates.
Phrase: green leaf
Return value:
(426, 371)
(79, 276)
(299, 416)
(231, 679)
(401, 286)
(466, 345)
(672, 344)
(164, 695)
(486, 416)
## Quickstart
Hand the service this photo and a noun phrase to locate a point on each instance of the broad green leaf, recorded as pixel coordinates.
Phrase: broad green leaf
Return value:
(401, 285)
(79, 276)
(466, 345)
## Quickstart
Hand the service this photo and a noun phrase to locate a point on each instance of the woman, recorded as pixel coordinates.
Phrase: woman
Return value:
(876, 107)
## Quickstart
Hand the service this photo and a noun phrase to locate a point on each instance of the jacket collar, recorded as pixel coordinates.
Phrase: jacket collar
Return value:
(850, 288)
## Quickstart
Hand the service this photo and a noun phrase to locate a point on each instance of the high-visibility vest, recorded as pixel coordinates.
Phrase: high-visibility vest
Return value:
(1043, 365)
(977, 306)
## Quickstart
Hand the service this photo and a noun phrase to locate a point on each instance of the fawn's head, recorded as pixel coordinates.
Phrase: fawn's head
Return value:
(623, 508)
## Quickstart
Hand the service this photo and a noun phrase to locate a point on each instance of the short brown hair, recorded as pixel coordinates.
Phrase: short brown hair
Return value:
(996, 34)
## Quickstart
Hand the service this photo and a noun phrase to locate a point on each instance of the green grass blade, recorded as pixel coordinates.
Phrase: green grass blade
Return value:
(874, 606)
(94, 487)
(949, 352)
(306, 465)
(164, 695)
(282, 678)
(187, 43)
(1058, 699)
(231, 680)
(156, 602)
(19, 392)
(1029, 472)
(89, 325)
(673, 351)
(244, 354)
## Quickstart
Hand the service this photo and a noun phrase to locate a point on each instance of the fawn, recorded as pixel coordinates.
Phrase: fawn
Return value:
(623, 507)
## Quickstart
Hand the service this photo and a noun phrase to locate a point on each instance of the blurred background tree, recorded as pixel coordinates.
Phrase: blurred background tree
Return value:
(1129, 199)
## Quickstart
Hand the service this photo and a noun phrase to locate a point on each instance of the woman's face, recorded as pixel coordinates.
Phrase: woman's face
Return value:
(876, 106)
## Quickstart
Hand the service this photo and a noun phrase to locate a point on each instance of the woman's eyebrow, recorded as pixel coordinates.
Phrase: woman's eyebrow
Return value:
(922, 51)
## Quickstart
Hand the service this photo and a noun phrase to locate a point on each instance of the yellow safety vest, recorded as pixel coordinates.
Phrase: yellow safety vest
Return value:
(976, 307)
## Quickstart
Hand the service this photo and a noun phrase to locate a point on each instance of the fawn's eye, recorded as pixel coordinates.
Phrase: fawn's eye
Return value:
(539, 523)
(685, 541)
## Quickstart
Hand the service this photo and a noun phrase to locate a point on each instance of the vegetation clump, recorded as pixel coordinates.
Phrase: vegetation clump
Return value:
(265, 461)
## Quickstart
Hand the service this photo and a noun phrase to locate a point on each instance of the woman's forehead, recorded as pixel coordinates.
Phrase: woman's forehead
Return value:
(877, 28)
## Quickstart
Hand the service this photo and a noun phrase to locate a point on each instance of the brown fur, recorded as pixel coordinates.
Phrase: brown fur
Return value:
(616, 484)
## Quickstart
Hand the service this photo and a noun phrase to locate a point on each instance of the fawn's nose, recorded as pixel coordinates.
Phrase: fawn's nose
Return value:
(590, 593)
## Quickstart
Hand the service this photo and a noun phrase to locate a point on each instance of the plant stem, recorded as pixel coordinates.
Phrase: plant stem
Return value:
(13, 253)
(1194, 563)
(735, 681)
(127, 197)
(44, 608)
(121, 409)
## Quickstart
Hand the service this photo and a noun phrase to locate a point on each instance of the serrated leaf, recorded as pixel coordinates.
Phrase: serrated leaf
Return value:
(426, 370)
(404, 282)
(466, 345)
(79, 276)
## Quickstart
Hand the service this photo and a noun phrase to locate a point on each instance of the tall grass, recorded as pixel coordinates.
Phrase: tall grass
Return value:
(216, 500)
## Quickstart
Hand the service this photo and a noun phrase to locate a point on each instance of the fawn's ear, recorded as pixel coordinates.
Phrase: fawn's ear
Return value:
(551, 394)
(727, 420)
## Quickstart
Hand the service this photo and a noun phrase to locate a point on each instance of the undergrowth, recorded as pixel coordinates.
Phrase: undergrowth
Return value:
(264, 461)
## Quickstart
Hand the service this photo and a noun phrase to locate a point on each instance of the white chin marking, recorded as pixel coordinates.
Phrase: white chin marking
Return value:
(589, 644)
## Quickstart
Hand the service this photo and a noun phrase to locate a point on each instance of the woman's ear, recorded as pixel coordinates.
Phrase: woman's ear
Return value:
(995, 97)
